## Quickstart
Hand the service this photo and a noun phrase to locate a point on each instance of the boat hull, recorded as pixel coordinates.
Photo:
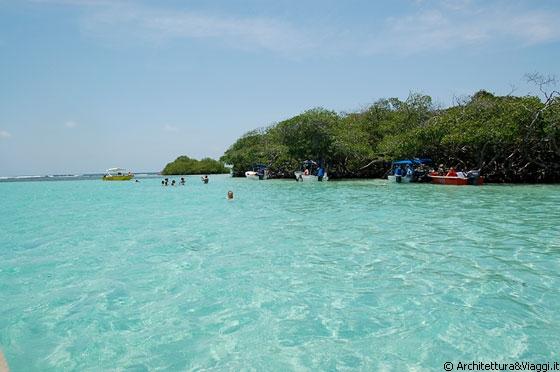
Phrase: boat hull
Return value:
(457, 181)
(300, 176)
(395, 179)
(255, 176)
(118, 178)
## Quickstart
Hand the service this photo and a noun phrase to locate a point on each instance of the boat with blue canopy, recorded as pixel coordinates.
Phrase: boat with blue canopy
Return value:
(410, 170)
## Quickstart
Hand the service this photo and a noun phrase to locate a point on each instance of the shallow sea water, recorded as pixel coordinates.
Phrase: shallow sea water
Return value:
(332, 276)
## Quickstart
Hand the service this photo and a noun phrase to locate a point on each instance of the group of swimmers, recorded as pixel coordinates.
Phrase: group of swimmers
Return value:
(165, 182)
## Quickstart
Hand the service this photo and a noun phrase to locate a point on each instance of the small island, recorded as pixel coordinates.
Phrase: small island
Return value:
(184, 165)
(507, 139)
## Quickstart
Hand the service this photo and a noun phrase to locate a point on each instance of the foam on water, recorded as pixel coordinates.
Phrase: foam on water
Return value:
(352, 275)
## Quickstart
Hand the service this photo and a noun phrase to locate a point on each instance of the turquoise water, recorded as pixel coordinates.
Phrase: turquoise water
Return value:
(333, 276)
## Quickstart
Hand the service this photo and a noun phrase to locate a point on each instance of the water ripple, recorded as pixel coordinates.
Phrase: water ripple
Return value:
(344, 276)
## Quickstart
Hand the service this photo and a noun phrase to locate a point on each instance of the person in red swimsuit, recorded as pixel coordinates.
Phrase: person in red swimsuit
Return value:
(451, 172)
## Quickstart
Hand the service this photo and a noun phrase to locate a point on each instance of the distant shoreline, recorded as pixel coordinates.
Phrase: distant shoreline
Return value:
(61, 177)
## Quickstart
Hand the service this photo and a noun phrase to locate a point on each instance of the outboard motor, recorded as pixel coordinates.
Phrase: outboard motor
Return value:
(472, 177)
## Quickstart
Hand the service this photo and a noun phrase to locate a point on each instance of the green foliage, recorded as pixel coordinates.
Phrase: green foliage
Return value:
(258, 146)
(309, 135)
(514, 139)
(184, 165)
(400, 121)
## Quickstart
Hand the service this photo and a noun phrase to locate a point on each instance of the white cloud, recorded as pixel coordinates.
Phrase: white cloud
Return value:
(76, 2)
(156, 26)
(533, 28)
(464, 6)
(70, 124)
(425, 25)
(170, 128)
(464, 25)
(5, 133)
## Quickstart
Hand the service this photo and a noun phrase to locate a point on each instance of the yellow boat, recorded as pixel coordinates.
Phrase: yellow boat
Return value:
(117, 174)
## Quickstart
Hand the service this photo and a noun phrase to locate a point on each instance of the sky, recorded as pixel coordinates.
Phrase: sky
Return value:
(87, 85)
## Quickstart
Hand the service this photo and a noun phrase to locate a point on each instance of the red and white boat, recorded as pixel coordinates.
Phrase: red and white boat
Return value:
(471, 178)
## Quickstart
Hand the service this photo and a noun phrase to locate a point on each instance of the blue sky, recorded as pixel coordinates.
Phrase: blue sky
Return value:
(90, 84)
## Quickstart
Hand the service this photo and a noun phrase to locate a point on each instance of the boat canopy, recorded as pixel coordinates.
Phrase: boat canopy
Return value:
(259, 165)
(413, 161)
(115, 169)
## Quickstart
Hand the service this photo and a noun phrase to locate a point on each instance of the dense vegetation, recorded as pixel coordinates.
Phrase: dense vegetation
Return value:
(508, 138)
(185, 165)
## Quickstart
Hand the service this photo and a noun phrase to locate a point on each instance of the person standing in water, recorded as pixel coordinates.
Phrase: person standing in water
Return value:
(320, 174)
